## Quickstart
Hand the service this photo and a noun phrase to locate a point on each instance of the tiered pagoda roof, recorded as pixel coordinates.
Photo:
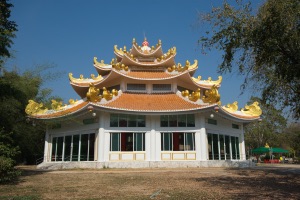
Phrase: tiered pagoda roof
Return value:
(144, 65)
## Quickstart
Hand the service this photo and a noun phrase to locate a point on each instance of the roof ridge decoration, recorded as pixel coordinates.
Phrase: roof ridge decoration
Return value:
(192, 97)
(253, 109)
(34, 108)
(231, 107)
(134, 43)
(187, 66)
(209, 80)
(99, 64)
(118, 66)
(171, 52)
(82, 79)
(94, 96)
(120, 51)
(212, 96)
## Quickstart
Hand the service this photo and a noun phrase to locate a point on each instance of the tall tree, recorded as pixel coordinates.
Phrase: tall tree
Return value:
(7, 29)
(264, 46)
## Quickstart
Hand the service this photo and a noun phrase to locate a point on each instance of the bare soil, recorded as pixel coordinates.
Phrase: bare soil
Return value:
(262, 182)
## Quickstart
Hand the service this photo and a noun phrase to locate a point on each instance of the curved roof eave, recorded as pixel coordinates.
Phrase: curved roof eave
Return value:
(156, 53)
(238, 117)
(62, 114)
(165, 63)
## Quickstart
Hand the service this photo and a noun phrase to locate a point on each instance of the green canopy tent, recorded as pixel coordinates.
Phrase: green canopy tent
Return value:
(260, 150)
(279, 150)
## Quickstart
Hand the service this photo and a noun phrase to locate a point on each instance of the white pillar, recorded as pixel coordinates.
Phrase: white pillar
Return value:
(46, 156)
(203, 139)
(152, 139)
(242, 145)
(101, 138)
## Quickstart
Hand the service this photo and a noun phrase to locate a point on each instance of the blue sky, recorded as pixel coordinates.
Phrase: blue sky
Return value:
(69, 33)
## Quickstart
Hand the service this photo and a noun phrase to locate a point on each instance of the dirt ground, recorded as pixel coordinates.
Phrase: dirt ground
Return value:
(261, 182)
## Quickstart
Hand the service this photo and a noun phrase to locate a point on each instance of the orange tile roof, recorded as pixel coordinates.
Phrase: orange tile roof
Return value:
(151, 102)
(61, 113)
(149, 74)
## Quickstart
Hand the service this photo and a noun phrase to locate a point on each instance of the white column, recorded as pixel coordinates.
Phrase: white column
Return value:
(101, 138)
(46, 156)
(203, 139)
(152, 139)
(242, 144)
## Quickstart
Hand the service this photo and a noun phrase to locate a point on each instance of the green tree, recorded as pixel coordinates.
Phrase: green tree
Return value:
(291, 137)
(263, 46)
(268, 130)
(7, 30)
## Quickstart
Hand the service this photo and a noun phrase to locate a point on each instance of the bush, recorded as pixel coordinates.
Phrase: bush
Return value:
(7, 170)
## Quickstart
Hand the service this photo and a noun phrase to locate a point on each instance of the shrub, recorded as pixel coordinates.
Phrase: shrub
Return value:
(7, 170)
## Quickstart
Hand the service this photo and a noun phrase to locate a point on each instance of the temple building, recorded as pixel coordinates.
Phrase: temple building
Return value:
(144, 110)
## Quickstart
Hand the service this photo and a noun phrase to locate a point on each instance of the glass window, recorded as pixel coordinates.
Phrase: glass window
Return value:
(139, 142)
(212, 121)
(189, 141)
(161, 87)
(166, 142)
(210, 149)
(164, 121)
(233, 147)
(114, 120)
(54, 141)
(139, 87)
(177, 141)
(215, 146)
(84, 147)
(237, 146)
(132, 120)
(190, 120)
(115, 142)
(182, 120)
(141, 120)
(177, 120)
(68, 143)
(173, 120)
(91, 156)
(235, 126)
(122, 120)
(75, 147)
(222, 145)
(227, 147)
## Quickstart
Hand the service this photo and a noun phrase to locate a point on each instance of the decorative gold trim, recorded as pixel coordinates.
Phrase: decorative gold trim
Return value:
(231, 107)
(212, 95)
(118, 66)
(195, 95)
(179, 67)
(109, 95)
(33, 108)
(197, 79)
(72, 101)
(185, 93)
(119, 51)
(99, 64)
(56, 105)
(93, 94)
(98, 78)
(253, 109)
(193, 66)
(81, 78)
(217, 82)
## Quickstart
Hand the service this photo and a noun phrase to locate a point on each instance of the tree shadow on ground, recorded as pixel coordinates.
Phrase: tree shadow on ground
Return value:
(256, 183)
